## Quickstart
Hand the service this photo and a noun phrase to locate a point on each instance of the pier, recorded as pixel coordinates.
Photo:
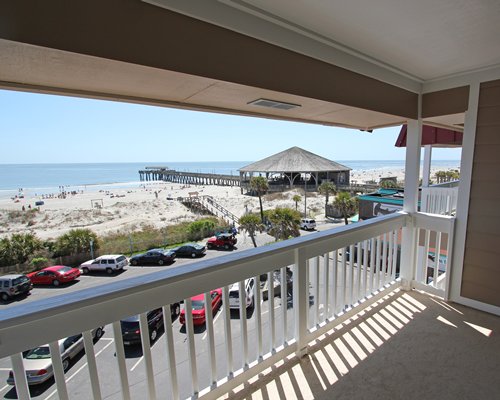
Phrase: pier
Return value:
(187, 178)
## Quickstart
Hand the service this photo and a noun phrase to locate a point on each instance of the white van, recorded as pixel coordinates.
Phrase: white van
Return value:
(109, 263)
(307, 224)
(234, 294)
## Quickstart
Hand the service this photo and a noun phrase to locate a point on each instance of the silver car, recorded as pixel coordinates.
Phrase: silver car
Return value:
(38, 363)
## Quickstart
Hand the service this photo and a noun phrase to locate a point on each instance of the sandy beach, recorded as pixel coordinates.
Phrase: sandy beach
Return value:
(144, 204)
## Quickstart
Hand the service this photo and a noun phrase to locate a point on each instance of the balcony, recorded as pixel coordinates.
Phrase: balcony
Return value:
(347, 320)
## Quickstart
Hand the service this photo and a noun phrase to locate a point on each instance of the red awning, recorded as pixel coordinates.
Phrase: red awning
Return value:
(437, 137)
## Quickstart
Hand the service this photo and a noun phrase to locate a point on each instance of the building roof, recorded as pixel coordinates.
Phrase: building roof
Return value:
(437, 137)
(294, 159)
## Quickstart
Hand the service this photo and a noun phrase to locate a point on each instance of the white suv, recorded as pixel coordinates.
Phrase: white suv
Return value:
(234, 294)
(307, 224)
(109, 263)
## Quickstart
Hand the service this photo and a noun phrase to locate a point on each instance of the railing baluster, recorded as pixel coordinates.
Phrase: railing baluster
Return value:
(120, 359)
(20, 379)
(270, 301)
(377, 265)
(395, 249)
(357, 284)
(436, 262)
(243, 322)
(390, 238)
(373, 251)
(57, 366)
(169, 338)
(209, 326)
(426, 255)
(146, 352)
(88, 343)
(351, 275)
(300, 297)
(188, 309)
(258, 315)
(326, 285)
(335, 281)
(284, 289)
(384, 260)
(365, 268)
(316, 291)
(227, 331)
(344, 279)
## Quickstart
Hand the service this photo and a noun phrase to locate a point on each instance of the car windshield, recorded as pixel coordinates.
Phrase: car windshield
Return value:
(38, 353)
(64, 269)
(121, 258)
(198, 305)
(20, 280)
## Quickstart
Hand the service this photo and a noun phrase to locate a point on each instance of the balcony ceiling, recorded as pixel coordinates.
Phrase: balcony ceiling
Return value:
(424, 40)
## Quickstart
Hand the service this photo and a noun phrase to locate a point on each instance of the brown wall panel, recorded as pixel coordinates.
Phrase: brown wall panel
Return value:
(139, 33)
(481, 274)
(445, 102)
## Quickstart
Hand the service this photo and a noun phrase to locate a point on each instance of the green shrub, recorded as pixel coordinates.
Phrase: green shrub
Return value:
(74, 242)
(39, 263)
(201, 229)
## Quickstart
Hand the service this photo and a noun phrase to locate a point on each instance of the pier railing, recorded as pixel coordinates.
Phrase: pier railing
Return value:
(334, 274)
(209, 204)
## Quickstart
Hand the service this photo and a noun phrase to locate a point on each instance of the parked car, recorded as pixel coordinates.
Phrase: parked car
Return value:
(54, 275)
(276, 282)
(190, 250)
(154, 256)
(198, 305)
(234, 294)
(14, 285)
(307, 224)
(224, 241)
(131, 331)
(109, 263)
(37, 361)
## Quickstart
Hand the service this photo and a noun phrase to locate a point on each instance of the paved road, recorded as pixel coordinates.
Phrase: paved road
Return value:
(77, 376)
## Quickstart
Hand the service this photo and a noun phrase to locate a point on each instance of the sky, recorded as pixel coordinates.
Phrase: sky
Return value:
(39, 128)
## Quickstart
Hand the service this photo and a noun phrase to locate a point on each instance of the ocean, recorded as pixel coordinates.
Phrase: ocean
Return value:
(48, 178)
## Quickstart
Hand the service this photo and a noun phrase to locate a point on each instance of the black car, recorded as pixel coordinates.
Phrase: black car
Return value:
(190, 250)
(154, 256)
(131, 332)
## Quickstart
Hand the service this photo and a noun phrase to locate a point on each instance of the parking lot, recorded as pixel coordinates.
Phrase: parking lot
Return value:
(77, 376)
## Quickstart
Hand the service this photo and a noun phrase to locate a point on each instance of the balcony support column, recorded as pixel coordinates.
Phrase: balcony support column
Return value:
(300, 299)
(410, 204)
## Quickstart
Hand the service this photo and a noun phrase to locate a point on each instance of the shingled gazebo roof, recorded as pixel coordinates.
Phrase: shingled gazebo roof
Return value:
(294, 159)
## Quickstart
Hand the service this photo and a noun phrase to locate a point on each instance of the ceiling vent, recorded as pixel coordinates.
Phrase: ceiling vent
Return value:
(273, 104)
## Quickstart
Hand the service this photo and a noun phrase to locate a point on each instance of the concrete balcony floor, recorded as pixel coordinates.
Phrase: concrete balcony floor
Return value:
(408, 345)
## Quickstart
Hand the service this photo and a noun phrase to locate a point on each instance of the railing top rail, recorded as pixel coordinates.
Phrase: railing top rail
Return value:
(21, 325)
(435, 222)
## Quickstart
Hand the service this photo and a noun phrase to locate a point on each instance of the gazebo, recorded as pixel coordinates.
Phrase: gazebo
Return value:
(295, 167)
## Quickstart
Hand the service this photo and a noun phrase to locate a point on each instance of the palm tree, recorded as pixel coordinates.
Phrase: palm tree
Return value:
(251, 224)
(76, 241)
(18, 248)
(285, 223)
(327, 188)
(296, 199)
(260, 186)
(345, 204)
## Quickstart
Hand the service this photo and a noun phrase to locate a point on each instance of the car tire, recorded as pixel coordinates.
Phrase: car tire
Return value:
(109, 271)
(153, 335)
(193, 255)
(160, 262)
(85, 270)
(134, 262)
(56, 283)
(5, 297)
(210, 247)
(65, 364)
(226, 247)
(98, 333)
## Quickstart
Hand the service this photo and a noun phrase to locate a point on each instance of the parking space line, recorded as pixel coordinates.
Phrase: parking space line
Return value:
(5, 369)
(275, 307)
(5, 387)
(215, 319)
(137, 363)
(83, 366)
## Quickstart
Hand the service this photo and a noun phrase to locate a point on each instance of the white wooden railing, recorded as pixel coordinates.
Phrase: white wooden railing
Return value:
(434, 250)
(439, 200)
(333, 273)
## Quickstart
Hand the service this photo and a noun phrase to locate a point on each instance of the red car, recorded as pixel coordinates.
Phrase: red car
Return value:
(54, 275)
(225, 241)
(198, 303)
